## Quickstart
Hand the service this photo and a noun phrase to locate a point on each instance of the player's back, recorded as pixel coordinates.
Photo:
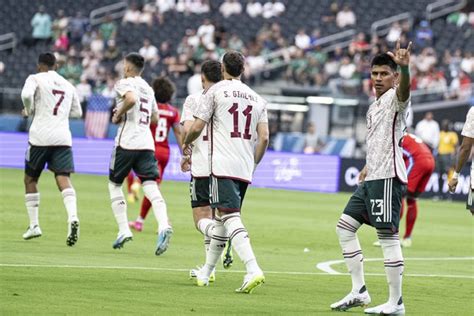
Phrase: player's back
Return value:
(53, 100)
(168, 116)
(134, 131)
(238, 110)
(414, 147)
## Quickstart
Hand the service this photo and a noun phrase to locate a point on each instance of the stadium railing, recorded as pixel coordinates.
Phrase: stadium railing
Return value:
(443, 7)
(8, 41)
(381, 27)
(114, 11)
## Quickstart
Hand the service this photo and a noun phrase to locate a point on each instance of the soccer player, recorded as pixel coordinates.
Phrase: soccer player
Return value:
(238, 133)
(134, 149)
(50, 100)
(420, 165)
(464, 152)
(377, 200)
(199, 185)
(168, 118)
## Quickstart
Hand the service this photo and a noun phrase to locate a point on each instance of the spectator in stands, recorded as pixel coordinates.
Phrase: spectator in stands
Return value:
(41, 23)
(333, 11)
(448, 142)
(72, 71)
(467, 63)
(97, 45)
(84, 91)
(78, 26)
(460, 87)
(302, 40)
(296, 67)
(149, 52)
(315, 36)
(426, 60)
(394, 32)
(254, 8)
(428, 130)
(165, 5)
(230, 7)
(60, 24)
(61, 44)
(206, 32)
(193, 39)
(108, 30)
(424, 35)
(458, 18)
(194, 84)
(346, 17)
(112, 52)
(108, 91)
(272, 9)
(132, 14)
(359, 44)
(165, 52)
(312, 142)
(235, 43)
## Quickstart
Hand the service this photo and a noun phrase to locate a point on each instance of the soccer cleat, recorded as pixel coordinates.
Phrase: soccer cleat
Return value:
(72, 233)
(31, 233)
(352, 300)
(227, 256)
(376, 243)
(163, 241)
(193, 273)
(201, 279)
(131, 198)
(386, 309)
(251, 281)
(136, 225)
(406, 242)
(122, 239)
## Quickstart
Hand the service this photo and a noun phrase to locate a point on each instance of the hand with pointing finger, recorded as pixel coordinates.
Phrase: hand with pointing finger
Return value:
(401, 55)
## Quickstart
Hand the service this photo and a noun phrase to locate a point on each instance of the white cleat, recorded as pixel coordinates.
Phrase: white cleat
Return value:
(386, 309)
(193, 273)
(251, 281)
(122, 239)
(31, 233)
(352, 300)
(201, 279)
(376, 243)
(406, 243)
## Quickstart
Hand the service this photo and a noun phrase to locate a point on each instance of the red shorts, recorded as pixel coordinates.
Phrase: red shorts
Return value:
(162, 157)
(420, 175)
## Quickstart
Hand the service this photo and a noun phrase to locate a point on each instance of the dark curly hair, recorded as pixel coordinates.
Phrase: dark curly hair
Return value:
(164, 89)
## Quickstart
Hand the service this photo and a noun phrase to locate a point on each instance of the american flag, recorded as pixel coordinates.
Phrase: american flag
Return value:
(97, 116)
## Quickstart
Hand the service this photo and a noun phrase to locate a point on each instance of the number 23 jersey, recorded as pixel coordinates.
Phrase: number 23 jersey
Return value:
(134, 131)
(232, 111)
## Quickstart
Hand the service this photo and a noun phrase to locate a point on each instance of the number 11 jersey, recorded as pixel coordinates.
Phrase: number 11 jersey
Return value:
(232, 111)
(134, 131)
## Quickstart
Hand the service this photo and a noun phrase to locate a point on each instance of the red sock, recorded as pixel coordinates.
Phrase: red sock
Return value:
(130, 179)
(145, 208)
(411, 216)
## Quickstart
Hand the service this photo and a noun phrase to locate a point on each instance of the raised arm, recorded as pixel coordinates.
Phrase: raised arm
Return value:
(402, 58)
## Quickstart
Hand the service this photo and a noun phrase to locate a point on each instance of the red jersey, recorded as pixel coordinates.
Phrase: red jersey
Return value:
(414, 150)
(168, 117)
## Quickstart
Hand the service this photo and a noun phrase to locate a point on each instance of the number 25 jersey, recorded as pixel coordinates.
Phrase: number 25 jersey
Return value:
(134, 131)
(232, 111)
(52, 100)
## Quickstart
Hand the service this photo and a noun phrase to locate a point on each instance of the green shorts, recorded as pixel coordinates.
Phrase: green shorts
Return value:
(58, 158)
(227, 195)
(377, 203)
(199, 190)
(143, 163)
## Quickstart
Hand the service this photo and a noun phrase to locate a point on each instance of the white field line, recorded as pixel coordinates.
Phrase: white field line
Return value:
(14, 265)
(326, 267)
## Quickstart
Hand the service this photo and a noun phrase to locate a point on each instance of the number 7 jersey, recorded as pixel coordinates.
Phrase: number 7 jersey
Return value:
(232, 111)
(134, 131)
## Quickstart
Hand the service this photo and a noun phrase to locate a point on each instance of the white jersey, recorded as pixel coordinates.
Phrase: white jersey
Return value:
(233, 111)
(468, 131)
(386, 125)
(134, 131)
(200, 156)
(52, 100)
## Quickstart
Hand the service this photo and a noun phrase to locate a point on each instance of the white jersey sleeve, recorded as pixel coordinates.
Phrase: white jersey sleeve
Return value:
(76, 110)
(53, 101)
(468, 129)
(134, 131)
(207, 104)
(189, 107)
(28, 93)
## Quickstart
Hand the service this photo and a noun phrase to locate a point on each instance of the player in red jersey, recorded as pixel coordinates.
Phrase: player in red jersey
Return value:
(168, 118)
(420, 165)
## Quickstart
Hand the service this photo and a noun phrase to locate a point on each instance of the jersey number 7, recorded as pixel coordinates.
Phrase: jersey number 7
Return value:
(61, 98)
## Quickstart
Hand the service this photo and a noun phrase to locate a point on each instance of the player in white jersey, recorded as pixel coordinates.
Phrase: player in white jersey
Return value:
(134, 149)
(50, 100)
(464, 153)
(378, 199)
(199, 185)
(238, 130)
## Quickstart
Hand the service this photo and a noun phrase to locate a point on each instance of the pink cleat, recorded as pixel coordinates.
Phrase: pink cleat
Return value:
(136, 225)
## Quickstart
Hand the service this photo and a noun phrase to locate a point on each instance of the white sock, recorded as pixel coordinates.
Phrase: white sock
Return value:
(392, 253)
(206, 226)
(241, 242)
(140, 219)
(207, 243)
(346, 231)
(119, 207)
(70, 202)
(152, 193)
(32, 201)
(216, 247)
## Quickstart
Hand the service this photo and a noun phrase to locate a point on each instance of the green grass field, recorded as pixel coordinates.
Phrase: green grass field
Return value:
(44, 276)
